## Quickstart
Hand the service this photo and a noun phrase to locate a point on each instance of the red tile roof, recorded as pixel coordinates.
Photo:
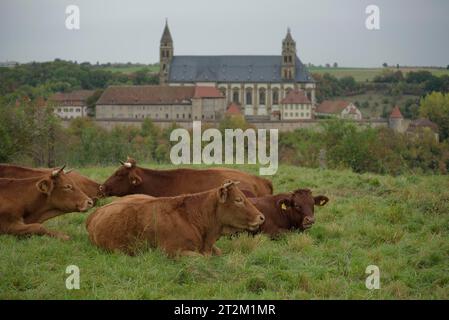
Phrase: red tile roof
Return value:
(296, 96)
(207, 92)
(396, 113)
(77, 97)
(332, 106)
(129, 95)
(132, 95)
(233, 109)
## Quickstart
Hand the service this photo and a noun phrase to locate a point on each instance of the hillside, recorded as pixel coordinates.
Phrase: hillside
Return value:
(368, 74)
(399, 224)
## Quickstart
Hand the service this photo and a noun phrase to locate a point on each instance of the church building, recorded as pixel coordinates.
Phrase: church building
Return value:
(257, 83)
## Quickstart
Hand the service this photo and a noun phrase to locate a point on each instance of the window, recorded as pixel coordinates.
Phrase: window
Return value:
(249, 96)
(296, 114)
(262, 96)
(166, 116)
(190, 116)
(275, 96)
(235, 96)
(78, 110)
(177, 116)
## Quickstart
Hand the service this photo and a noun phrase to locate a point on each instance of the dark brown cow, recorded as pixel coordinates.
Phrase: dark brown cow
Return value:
(184, 225)
(26, 203)
(131, 179)
(287, 211)
(88, 186)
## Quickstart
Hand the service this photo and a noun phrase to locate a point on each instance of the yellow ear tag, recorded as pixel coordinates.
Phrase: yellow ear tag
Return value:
(283, 206)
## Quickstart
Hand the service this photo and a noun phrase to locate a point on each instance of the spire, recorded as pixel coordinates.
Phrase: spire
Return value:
(166, 36)
(288, 37)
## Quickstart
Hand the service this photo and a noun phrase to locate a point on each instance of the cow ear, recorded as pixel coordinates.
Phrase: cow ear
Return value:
(222, 194)
(135, 179)
(321, 200)
(284, 204)
(45, 186)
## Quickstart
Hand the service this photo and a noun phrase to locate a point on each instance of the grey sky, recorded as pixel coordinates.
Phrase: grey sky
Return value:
(413, 32)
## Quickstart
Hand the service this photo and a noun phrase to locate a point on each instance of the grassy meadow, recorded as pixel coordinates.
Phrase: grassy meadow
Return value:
(368, 74)
(400, 224)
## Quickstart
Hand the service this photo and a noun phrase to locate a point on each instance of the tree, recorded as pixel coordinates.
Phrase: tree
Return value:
(435, 107)
(385, 65)
(335, 65)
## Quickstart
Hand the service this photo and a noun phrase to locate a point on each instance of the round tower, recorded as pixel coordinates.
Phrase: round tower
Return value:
(396, 120)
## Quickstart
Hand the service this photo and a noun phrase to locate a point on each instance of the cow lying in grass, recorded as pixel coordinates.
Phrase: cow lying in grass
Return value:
(182, 225)
(26, 203)
(88, 186)
(286, 211)
(131, 179)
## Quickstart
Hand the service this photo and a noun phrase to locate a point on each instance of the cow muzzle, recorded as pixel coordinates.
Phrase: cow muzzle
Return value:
(308, 222)
(86, 205)
(257, 223)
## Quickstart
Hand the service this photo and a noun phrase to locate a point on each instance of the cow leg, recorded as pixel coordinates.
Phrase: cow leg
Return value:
(189, 253)
(216, 251)
(22, 229)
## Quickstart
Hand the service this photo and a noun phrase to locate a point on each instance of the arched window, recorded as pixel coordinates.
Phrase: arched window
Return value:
(262, 96)
(235, 96)
(249, 96)
(276, 96)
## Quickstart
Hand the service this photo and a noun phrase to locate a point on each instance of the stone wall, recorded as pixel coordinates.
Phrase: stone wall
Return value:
(283, 126)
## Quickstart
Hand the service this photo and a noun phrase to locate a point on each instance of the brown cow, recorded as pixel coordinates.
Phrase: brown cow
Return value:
(286, 211)
(185, 225)
(131, 179)
(88, 186)
(26, 203)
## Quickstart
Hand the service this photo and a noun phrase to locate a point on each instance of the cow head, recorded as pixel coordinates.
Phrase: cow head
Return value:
(62, 193)
(299, 206)
(235, 211)
(124, 181)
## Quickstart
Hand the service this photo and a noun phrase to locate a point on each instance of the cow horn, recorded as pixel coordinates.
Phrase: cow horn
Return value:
(121, 162)
(128, 164)
(68, 171)
(56, 172)
(229, 183)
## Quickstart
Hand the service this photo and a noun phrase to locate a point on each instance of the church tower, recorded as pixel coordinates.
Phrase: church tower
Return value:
(165, 54)
(288, 57)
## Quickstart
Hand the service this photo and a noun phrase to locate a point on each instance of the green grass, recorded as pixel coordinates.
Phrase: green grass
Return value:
(400, 224)
(368, 74)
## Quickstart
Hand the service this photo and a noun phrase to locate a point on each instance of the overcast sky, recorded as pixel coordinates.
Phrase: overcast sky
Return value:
(413, 32)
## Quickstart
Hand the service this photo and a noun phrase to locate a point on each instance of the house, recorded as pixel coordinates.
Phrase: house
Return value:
(420, 126)
(70, 105)
(256, 82)
(161, 103)
(338, 108)
(296, 106)
(233, 110)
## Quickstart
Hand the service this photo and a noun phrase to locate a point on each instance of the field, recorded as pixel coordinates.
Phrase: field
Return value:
(400, 224)
(368, 74)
